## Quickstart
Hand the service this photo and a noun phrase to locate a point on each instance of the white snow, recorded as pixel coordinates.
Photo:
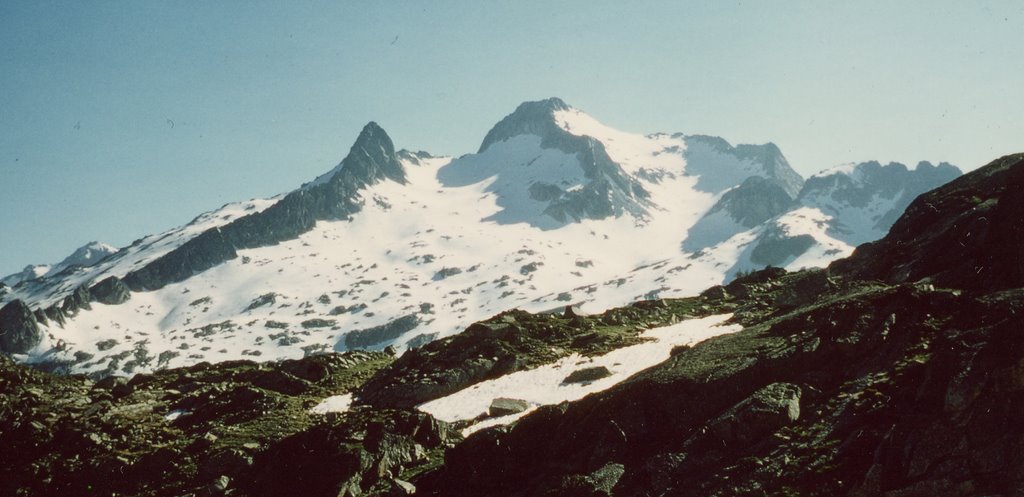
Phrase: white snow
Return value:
(472, 216)
(845, 169)
(336, 403)
(734, 255)
(544, 385)
(712, 229)
(175, 414)
(853, 225)
(135, 255)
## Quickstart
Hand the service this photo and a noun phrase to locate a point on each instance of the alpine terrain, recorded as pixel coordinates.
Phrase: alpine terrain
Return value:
(569, 311)
(399, 248)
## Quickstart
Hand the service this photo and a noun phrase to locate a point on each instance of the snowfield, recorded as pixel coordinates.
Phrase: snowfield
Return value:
(544, 385)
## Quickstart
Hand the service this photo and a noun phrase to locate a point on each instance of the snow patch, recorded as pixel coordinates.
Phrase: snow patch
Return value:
(544, 385)
(336, 403)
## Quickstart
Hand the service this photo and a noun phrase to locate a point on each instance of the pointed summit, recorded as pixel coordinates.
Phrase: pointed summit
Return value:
(536, 118)
(334, 195)
(87, 255)
(371, 159)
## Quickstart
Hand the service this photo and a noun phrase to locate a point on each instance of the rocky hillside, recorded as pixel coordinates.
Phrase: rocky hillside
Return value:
(884, 374)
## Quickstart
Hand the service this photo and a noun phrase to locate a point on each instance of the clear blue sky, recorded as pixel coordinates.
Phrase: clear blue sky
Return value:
(266, 95)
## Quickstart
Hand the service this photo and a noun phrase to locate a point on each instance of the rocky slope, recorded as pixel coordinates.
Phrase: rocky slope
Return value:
(837, 386)
(884, 374)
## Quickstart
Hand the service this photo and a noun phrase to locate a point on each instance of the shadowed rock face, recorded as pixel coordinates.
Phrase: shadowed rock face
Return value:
(110, 291)
(966, 234)
(530, 118)
(19, 331)
(370, 160)
(755, 201)
(608, 191)
(704, 156)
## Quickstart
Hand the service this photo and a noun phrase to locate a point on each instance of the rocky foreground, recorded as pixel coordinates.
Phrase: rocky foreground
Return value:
(898, 371)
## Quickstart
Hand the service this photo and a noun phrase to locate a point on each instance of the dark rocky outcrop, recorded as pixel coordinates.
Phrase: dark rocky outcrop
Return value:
(55, 314)
(265, 299)
(19, 330)
(966, 234)
(110, 291)
(350, 455)
(187, 431)
(203, 252)
(77, 300)
(586, 375)
(503, 406)
(369, 337)
(775, 248)
(333, 196)
(806, 404)
(755, 201)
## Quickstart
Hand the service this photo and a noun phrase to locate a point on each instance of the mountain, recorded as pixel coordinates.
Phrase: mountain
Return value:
(756, 224)
(888, 373)
(396, 248)
(87, 255)
(719, 165)
(836, 385)
(865, 199)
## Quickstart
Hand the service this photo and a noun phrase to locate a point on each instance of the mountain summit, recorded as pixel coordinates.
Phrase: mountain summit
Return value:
(370, 160)
(529, 118)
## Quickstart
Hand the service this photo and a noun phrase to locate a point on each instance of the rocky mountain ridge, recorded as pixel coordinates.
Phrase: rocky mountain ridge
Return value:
(400, 248)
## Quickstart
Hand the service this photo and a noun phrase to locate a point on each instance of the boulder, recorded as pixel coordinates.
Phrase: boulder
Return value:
(587, 375)
(400, 487)
(503, 406)
(766, 411)
(596, 484)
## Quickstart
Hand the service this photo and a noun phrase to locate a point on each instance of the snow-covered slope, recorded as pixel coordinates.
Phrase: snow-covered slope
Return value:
(399, 248)
(87, 255)
(59, 281)
(865, 199)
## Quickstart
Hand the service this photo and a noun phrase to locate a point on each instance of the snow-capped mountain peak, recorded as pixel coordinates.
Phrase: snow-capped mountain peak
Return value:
(399, 248)
(534, 118)
(879, 194)
(372, 158)
(87, 255)
(720, 165)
